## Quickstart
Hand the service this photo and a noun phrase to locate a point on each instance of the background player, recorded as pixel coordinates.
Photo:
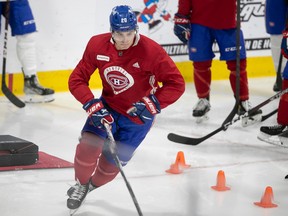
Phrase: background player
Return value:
(200, 24)
(23, 27)
(275, 18)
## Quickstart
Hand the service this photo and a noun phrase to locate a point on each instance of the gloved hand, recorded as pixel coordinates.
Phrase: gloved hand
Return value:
(284, 44)
(98, 113)
(182, 27)
(145, 109)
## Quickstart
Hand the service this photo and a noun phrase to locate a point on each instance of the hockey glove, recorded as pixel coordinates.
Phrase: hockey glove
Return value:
(145, 109)
(98, 113)
(182, 27)
(284, 44)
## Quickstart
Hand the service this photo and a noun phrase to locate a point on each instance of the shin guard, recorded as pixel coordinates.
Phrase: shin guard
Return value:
(244, 90)
(282, 117)
(202, 78)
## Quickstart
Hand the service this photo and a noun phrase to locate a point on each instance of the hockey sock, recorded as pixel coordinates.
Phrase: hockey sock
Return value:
(87, 154)
(202, 78)
(276, 50)
(243, 91)
(26, 52)
(105, 172)
(282, 117)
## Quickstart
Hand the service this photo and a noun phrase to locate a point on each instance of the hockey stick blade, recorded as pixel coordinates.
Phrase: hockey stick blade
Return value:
(12, 98)
(264, 117)
(195, 141)
(190, 140)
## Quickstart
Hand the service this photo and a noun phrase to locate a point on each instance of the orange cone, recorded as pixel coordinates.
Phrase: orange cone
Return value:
(221, 182)
(174, 169)
(180, 159)
(266, 200)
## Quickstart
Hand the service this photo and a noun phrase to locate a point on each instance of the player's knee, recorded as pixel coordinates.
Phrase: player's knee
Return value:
(231, 65)
(202, 66)
(26, 39)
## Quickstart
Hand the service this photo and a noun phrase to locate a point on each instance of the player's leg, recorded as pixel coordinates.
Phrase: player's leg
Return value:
(85, 161)
(228, 52)
(24, 28)
(275, 19)
(201, 54)
(278, 134)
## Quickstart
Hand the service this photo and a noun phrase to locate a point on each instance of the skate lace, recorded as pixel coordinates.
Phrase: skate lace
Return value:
(246, 105)
(202, 104)
(79, 192)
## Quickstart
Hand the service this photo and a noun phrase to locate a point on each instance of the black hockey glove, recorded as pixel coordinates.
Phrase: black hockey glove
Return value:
(145, 109)
(182, 27)
(284, 45)
(98, 113)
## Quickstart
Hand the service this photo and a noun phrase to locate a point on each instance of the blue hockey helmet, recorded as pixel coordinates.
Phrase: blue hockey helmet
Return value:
(122, 18)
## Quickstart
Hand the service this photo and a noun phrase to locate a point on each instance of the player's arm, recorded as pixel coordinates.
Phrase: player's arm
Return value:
(78, 82)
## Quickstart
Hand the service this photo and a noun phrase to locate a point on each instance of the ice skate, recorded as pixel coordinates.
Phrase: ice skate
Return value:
(276, 135)
(35, 93)
(77, 195)
(73, 188)
(244, 107)
(201, 110)
(284, 138)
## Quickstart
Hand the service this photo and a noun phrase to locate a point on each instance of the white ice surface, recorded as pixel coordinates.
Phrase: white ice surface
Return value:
(249, 164)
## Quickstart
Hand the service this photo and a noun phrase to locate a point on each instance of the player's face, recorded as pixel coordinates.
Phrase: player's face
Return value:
(123, 40)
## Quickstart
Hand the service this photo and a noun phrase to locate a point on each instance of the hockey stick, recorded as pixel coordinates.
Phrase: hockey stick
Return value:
(112, 148)
(264, 117)
(6, 91)
(195, 141)
(278, 74)
(234, 111)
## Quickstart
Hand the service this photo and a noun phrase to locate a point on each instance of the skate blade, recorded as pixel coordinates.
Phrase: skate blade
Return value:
(250, 120)
(274, 140)
(284, 139)
(39, 98)
(199, 120)
(73, 211)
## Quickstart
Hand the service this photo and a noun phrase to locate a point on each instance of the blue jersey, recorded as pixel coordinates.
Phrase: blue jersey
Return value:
(275, 16)
(21, 18)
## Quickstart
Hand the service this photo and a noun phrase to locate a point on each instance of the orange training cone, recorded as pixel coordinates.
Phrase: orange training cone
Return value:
(180, 159)
(174, 169)
(221, 182)
(266, 200)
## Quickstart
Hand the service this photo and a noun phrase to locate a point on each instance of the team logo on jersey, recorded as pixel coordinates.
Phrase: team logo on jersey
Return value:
(118, 78)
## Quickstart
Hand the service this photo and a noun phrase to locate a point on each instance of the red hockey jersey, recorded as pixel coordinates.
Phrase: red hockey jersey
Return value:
(216, 14)
(127, 75)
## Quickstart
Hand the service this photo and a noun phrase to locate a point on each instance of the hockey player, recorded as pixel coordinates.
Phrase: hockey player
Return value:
(130, 66)
(200, 24)
(275, 18)
(278, 134)
(23, 27)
